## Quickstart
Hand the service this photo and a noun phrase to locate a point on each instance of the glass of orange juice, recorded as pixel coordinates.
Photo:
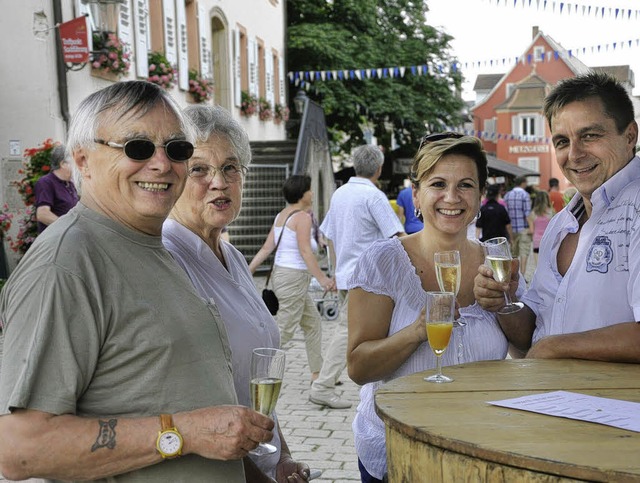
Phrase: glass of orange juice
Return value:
(439, 316)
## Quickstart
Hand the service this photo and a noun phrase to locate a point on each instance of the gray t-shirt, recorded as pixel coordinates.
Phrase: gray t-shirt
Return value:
(99, 321)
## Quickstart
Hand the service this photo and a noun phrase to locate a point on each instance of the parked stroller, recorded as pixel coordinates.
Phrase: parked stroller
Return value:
(327, 302)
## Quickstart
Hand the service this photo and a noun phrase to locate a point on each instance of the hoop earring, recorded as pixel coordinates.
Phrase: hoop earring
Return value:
(418, 214)
(479, 214)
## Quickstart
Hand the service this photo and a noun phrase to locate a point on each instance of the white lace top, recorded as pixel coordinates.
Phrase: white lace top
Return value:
(385, 269)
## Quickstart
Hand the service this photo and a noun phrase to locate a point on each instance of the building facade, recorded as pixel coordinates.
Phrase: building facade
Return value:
(237, 45)
(508, 110)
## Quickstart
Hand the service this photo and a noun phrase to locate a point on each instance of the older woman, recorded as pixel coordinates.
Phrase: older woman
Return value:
(211, 200)
(387, 291)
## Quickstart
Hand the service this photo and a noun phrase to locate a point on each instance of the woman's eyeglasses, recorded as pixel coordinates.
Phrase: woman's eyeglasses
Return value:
(177, 150)
(232, 173)
(432, 138)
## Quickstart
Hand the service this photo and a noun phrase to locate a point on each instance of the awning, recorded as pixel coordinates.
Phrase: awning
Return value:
(503, 167)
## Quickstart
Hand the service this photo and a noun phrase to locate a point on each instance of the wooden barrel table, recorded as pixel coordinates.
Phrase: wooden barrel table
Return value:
(449, 433)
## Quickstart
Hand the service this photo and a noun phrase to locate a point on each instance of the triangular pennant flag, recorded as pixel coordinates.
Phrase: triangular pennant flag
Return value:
(323, 75)
(402, 71)
(379, 71)
(368, 72)
(335, 74)
(358, 74)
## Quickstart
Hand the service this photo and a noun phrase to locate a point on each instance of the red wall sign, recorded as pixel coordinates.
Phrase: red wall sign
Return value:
(75, 43)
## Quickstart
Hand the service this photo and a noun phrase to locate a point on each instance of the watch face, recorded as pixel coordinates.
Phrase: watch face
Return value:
(170, 443)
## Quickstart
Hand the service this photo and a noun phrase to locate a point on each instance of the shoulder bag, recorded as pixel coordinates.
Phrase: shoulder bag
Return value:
(268, 295)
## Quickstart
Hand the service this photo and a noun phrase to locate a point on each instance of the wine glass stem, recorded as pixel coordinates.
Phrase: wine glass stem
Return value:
(507, 298)
(439, 365)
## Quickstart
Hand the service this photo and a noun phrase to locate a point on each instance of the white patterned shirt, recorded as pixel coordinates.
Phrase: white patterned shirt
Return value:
(602, 285)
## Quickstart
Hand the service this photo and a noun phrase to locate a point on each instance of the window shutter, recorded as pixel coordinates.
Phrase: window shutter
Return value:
(237, 81)
(268, 66)
(141, 29)
(183, 52)
(205, 49)
(124, 23)
(281, 89)
(515, 125)
(169, 21)
(253, 67)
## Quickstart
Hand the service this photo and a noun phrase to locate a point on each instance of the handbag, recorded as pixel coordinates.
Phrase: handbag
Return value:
(269, 296)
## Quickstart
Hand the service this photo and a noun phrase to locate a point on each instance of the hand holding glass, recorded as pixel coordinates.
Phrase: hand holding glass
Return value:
(267, 371)
(439, 314)
(498, 257)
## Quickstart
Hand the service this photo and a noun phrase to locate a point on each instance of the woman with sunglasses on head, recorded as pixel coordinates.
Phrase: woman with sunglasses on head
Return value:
(294, 265)
(193, 234)
(387, 335)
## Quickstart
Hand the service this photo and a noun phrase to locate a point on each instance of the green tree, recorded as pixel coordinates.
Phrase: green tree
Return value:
(355, 34)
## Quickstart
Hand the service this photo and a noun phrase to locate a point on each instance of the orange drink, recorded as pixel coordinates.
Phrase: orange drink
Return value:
(439, 335)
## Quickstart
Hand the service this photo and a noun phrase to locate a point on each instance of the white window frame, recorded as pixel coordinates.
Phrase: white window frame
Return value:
(170, 32)
(538, 53)
(142, 36)
(182, 45)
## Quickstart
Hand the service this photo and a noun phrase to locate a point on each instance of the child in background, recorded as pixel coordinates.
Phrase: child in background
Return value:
(539, 218)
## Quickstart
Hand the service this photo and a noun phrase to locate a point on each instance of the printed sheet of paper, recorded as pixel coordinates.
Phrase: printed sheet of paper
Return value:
(571, 405)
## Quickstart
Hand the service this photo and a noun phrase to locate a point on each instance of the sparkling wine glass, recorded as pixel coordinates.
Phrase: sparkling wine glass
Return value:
(267, 371)
(498, 257)
(439, 314)
(448, 273)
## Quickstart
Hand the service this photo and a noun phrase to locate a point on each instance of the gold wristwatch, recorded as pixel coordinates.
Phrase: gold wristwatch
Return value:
(169, 442)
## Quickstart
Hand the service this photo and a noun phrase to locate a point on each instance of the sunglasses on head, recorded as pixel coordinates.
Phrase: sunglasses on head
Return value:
(432, 138)
(177, 150)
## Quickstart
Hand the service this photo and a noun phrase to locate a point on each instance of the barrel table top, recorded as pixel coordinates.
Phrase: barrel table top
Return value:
(456, 417)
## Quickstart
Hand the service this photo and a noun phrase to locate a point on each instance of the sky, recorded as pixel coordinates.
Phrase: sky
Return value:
(486, 30)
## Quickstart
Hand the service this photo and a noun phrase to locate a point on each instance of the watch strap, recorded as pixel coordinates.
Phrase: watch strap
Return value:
(166, 422)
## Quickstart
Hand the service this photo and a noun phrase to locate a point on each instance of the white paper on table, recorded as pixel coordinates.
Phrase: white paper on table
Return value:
(571, 405)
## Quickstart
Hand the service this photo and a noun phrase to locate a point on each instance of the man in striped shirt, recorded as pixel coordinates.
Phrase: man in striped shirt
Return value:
(519, 207)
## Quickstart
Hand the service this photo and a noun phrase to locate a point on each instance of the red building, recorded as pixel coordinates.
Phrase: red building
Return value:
(508, 112)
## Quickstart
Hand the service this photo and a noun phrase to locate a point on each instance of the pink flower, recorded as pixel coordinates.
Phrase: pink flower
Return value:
(152, 67)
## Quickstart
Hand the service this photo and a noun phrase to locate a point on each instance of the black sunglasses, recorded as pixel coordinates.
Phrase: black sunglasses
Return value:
(439, 136)
(177, 150)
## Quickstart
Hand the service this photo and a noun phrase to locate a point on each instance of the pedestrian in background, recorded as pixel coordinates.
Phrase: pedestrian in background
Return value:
(55, 193)
(412, 222)
(494, 220)
(359, 214)
(294, 265)
(519, 206)
(539, 219)
(555, 195)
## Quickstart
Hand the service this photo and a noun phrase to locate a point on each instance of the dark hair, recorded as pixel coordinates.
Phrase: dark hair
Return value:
(492, 191)
(58, 154)
(295, 187)
(519, 180)
(553, 182)
(614, 97)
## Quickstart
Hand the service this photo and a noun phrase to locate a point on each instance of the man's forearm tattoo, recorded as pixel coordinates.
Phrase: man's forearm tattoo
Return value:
(106, 436)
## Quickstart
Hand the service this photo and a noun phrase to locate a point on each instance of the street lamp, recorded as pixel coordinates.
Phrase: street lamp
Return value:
(300, 101)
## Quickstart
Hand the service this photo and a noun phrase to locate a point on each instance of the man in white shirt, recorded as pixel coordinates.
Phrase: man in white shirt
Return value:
(584, 300)
(359, 214)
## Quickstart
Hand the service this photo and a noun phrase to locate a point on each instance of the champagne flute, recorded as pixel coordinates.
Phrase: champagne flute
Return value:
(448, 273)
(439, 320)
(498, 257)
(267, 371)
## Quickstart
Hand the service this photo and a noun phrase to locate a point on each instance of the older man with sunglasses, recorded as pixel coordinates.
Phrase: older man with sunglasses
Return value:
(112, 362)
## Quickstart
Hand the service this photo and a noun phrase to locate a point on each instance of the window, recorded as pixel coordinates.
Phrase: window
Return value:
(527, 126)
(489, 128)
(538, 53)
